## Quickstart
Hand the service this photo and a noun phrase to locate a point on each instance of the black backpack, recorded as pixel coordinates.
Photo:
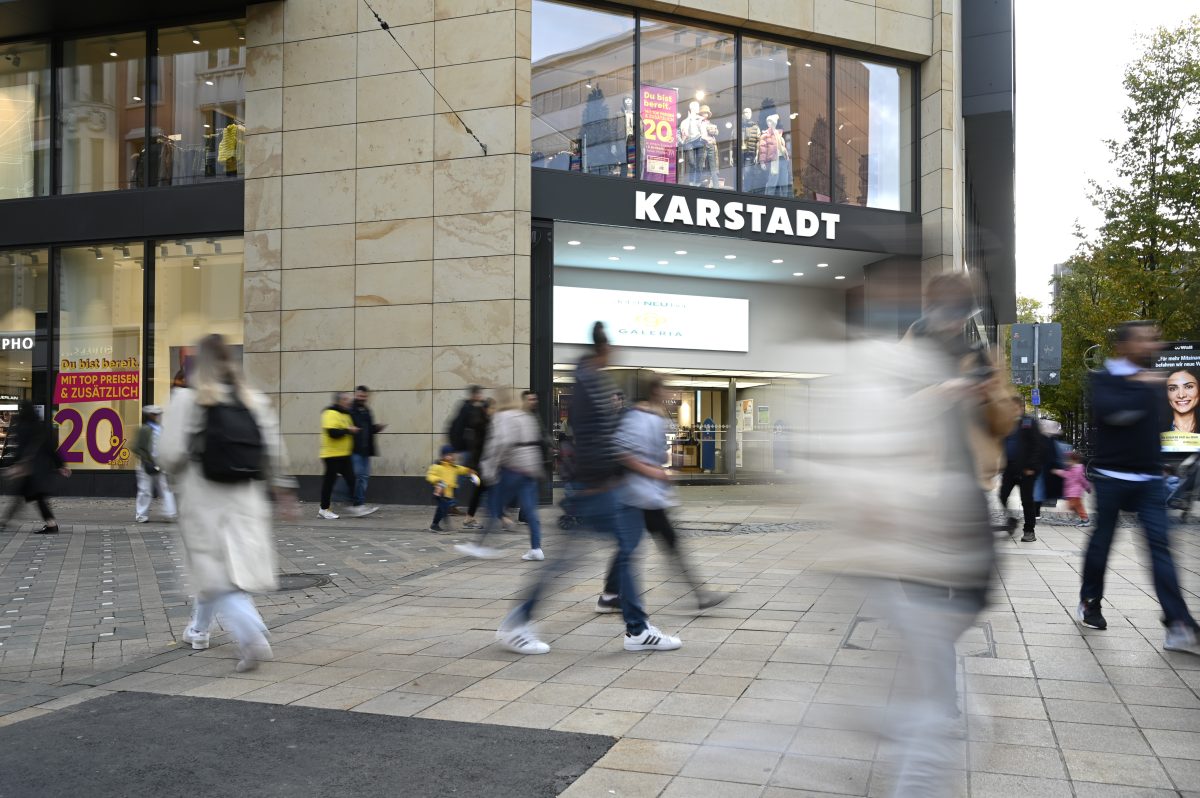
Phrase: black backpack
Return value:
(230, 447)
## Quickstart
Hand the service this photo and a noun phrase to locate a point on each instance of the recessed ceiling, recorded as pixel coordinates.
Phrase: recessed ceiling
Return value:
(654, 252)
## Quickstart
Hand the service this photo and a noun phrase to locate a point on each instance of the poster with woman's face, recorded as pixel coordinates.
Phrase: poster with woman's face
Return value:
(1180, 363)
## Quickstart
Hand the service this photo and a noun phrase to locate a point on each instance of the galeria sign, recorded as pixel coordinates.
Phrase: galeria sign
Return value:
(652, 206)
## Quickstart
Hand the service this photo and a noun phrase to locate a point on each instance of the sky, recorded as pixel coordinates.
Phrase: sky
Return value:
(1070, 61)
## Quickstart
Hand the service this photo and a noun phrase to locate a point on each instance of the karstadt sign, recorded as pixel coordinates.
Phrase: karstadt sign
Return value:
(700, 212)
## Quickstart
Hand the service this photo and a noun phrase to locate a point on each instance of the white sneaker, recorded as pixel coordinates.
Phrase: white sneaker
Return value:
(141, 519)
(651, 640)
(364, 510)
(328, 515)
(533, 554)
(1181, 638)
(252, 655)
(521, 640)
(478, 552)
(199, 640)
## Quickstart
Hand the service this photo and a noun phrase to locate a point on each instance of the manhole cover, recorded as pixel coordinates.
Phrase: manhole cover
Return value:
(303, 581)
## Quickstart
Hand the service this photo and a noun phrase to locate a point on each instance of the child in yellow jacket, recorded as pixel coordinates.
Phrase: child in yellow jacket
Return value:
(443, 475)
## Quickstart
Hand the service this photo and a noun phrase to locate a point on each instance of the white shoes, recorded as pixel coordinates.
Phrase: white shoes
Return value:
(252, 655)
(651, 640)
(521, 640)
(328, 515)
(141, 519)
(199, 640)
(478, 552)
(360, 511)
(1181, 638)
(533, 555)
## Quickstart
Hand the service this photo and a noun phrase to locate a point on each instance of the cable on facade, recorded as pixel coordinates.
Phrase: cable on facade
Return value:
(383, 24)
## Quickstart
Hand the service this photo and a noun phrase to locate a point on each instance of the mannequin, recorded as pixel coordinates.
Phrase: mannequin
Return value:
(773, 158)
(751, 133)
(630, 133)
(691, 141)
(231, 151)
(708, 168)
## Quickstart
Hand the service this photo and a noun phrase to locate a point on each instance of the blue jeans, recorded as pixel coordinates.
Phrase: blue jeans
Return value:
(444, 505)
(600, 512)
(362, 474)
(524, 489)
(1148, 499)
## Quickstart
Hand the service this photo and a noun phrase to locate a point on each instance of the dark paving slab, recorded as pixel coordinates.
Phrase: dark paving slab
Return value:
(139, 744)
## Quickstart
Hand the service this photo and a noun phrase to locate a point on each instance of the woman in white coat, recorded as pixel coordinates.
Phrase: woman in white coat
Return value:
(226, 526)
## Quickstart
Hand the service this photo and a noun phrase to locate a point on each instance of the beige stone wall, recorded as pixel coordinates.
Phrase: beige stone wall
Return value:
(383, 247)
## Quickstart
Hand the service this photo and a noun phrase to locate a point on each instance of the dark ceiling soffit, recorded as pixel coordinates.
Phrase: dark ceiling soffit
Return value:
(988, 78)
(991, 167)
(175, 211)
(590, 199)
(21, 18)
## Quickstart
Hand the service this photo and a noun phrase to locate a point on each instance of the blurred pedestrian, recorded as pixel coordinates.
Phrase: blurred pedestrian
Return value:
(221, 443)
(512, 465)
(641, 441)
(1049, 486)
(337, 446)
(1024, 452)
(598, 469)
(35, 463)
(443, 475)
(364, 448)
(478, 443)
(151, 478)
(1130, 410)
(467, 431)
(1075, 485)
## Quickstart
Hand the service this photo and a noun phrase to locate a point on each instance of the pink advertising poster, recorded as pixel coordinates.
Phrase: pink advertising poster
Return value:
(659, 122)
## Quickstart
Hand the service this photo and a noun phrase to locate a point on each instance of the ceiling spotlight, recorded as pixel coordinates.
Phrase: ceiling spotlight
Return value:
(797, 274)
(208, 83)
(195, 39)
(207, 125)
(573, 243)
(13, 59)
(840, 277)
(822, 265)
(709, 266)
(629, 247)
(98, 253)
(137, 99)
(731, 257)
(613, 257)
(777, 260)
(112, 53)
(663, 262)
(12, 259)
(681, 252)
(216, 247)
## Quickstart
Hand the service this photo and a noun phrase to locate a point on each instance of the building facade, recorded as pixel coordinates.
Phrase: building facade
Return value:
(455, 199)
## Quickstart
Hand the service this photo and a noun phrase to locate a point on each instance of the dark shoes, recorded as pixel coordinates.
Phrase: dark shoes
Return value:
(1011, 525)
(1028, 537)
(1088, 614)
(436, 528)
(48, 530)
(608, 604)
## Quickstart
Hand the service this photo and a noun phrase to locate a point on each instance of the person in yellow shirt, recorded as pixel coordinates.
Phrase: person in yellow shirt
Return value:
(337, 444)
(443, 475)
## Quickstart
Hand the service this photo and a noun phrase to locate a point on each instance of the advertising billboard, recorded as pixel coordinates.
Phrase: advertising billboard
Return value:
(647, 319)
(1179, 363)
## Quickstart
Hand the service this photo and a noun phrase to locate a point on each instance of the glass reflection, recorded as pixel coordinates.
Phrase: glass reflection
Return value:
(873, 139)
(24, 120)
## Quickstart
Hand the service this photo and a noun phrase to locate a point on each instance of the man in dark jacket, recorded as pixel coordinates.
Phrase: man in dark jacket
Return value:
(364, 447)
(1130, 411)
(1024, 452)
(467, 429)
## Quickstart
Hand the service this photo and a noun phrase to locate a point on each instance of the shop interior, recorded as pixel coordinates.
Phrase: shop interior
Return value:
(737, 329)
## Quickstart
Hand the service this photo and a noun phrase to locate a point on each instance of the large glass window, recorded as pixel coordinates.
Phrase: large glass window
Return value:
(688, 73)
(197, 291)
(102, 114)
(24, 281)
(873, 140)
(784, 122)
(584, 116)
(97, 391)
(200, 108)
(24, 120)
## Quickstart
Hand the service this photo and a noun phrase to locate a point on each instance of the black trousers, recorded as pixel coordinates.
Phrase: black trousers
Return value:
(1025, 485)
(658, 524)
(336, 467)
(25, 498)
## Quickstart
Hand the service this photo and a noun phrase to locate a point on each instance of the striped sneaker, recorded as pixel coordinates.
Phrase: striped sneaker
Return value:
(651, 640)
(521, 640)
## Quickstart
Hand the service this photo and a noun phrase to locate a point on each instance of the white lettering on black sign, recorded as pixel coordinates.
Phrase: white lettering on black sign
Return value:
(15, 342)
(733, 215)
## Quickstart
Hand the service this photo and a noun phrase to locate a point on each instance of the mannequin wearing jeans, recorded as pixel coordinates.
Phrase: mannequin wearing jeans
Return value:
(691, 141)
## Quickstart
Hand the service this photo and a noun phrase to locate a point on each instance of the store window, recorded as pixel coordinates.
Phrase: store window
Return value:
(584, 111)
(24, 120)
(197, 291)
(97, 389)
(688, 77)
(873, 138)
(24, 281)
(102, 115)
(200, 109)
(785, 131)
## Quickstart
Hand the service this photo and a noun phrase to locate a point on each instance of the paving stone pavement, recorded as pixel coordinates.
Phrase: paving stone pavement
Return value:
(777, 692)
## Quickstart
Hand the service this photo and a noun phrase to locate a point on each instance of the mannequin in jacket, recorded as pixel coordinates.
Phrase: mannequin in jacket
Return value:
(691, 141)
(773, 158)
(709, 164)
(630, 133)
(751, 133)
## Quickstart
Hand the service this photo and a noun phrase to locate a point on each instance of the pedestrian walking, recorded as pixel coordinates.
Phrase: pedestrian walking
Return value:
(221, 443)
(151, 479)
(443, 475)
(1129, 411)
(512, 465)
(337, 446)
(641, 441)
(477, 444)
(598, 470)
(1049, 486)
(1075, 485)
(364, 448)
(1024, 453)
(466, 434)
(33, 450)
